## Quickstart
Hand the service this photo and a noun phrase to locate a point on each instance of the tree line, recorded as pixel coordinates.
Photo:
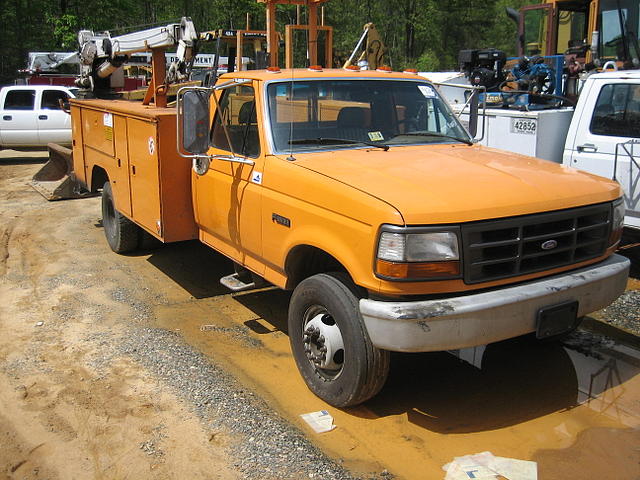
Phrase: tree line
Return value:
(423, 34)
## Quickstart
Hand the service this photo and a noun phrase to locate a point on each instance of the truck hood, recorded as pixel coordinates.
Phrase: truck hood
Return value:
(460, 183)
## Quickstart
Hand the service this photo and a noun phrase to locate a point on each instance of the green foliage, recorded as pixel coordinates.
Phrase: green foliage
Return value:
(65, 30)
(426, 34)
(428, 62)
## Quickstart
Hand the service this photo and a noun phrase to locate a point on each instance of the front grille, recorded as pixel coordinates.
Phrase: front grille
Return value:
(506, 248)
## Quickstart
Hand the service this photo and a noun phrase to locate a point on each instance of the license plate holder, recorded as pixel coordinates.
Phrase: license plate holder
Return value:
(557, 319)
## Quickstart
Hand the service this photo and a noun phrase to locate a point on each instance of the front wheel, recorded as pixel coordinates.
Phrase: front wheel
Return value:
(330, 344)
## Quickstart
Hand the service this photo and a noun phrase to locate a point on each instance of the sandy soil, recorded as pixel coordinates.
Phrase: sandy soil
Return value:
(70, 406)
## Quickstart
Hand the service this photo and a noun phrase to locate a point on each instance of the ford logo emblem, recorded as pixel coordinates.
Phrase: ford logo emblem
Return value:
(549, 245)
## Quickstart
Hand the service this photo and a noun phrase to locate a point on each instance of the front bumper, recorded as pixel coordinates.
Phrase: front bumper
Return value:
(482, 318)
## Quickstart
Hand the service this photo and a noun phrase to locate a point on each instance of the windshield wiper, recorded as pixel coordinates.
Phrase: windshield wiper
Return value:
(434, 134)
(333, 141)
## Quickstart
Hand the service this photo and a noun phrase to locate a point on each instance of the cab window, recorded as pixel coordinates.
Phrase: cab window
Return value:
(238, 114)
(617, 111)
(51, 99)
(20, 100)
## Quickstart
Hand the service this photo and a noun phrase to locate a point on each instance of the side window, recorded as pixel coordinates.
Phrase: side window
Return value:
(617, 111)
(51, 99)
(238, 114)
(20, 100)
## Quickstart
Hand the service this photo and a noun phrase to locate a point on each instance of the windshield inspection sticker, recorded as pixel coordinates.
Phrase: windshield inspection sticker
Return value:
(375, 136)
(256, 177)
(427, 91)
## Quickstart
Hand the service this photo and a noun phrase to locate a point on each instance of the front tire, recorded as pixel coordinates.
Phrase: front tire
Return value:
(122, 234)
(330, 343)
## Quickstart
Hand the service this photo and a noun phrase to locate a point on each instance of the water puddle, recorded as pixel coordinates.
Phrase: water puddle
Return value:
(572, 407)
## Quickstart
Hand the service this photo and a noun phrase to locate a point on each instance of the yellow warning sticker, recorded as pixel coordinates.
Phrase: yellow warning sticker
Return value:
(108, 133)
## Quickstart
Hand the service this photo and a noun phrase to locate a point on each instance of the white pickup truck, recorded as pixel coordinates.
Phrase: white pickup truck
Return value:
(604, 135)
(31, 116)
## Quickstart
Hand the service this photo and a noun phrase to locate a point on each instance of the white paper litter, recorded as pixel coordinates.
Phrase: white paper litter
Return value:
(319, 421)
(485, 465)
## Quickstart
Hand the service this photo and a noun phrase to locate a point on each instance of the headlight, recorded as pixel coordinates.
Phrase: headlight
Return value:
(617, 221)
(418, 247)
(618, 214)
(415, 256)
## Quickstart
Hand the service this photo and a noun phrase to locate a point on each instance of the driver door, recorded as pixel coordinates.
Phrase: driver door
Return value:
(228, 195)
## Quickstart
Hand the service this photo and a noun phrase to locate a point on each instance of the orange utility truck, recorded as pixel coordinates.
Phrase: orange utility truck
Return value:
(361, 193)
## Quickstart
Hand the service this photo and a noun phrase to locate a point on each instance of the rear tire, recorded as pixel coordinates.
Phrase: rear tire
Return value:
(122, 234)
(330, 343)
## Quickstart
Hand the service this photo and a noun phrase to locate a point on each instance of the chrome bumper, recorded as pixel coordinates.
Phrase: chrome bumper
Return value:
(482, 318)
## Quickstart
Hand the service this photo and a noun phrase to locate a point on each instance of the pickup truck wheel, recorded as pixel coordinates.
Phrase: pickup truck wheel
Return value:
(330, 344)
(122, 234)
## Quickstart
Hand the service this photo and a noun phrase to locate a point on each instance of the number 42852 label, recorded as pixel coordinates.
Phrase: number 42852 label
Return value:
(524, 125)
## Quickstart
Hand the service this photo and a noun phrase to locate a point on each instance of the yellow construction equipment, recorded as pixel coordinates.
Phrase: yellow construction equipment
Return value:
(372, 54)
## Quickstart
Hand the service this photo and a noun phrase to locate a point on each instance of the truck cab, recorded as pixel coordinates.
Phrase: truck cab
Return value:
(31, 116)
(604, 136)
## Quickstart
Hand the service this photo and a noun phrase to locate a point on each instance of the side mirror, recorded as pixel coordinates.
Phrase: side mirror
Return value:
(473, 113)
(193, 120)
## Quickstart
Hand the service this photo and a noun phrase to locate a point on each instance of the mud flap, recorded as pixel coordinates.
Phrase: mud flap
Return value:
(54, 181)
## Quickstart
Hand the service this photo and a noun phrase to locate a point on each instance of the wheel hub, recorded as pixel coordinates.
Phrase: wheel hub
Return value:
(323, 343)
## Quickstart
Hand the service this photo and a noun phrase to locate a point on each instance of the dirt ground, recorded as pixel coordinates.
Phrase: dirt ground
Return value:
(79, 399)
(69, 407)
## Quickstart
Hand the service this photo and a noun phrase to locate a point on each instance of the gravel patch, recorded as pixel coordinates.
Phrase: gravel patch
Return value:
(624, 312)
(142, 310)
(269, 447)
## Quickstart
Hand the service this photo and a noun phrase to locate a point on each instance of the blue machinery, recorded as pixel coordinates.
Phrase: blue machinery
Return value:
(539, 85)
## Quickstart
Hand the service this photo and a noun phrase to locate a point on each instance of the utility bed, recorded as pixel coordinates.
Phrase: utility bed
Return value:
(136, 144)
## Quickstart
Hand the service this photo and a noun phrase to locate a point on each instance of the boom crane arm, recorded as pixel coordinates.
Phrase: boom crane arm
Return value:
(101, 54)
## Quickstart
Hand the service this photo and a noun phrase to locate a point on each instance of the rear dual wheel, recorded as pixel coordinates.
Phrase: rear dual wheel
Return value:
(122, 234)
(330, 343)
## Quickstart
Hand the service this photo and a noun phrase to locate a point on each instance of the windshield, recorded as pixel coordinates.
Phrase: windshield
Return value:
(619, 23)
(330, 114)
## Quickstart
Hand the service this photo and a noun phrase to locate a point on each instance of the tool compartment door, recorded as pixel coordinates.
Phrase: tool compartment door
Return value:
(143, 174)
(119, 176)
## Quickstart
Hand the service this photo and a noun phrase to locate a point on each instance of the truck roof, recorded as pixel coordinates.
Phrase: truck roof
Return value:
(631, 74)
(306, 73)
(39, 87)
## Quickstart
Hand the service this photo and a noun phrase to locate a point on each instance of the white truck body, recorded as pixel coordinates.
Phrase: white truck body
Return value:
(31, 116)
(606, 118)
(538, 133)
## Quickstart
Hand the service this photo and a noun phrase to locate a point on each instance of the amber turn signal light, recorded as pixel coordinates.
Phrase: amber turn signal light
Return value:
(418, 270)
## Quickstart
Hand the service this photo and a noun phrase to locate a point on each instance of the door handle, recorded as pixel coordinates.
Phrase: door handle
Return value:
(7, 117)
(42, 117)
(587, 147)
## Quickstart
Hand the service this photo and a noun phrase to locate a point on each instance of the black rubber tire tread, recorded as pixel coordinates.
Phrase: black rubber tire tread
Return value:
(147, 241)
(122, 234)
(364, 375)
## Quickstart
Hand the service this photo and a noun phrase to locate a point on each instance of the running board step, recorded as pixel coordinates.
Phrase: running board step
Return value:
(233, 283)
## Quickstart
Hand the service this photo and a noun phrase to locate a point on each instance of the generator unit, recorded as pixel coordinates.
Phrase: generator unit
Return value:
(483, 68)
